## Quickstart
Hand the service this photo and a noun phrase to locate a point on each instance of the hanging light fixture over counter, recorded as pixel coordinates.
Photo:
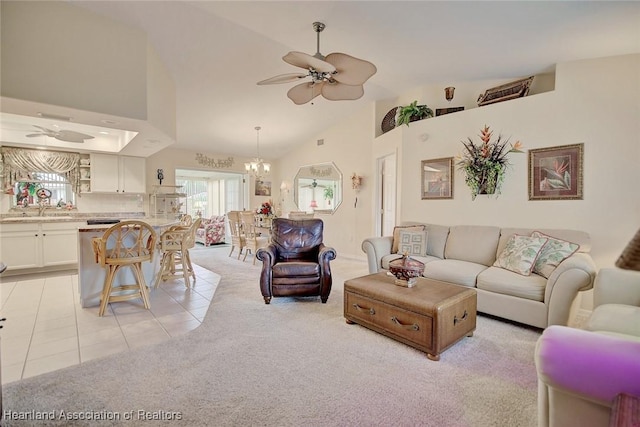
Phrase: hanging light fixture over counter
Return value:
(258, 167)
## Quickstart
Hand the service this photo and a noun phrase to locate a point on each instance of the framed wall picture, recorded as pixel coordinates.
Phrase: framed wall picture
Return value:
(437, 178)
(555, 173)
(263, 188)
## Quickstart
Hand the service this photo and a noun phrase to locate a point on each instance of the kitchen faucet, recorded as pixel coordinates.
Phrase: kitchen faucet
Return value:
(41, 208)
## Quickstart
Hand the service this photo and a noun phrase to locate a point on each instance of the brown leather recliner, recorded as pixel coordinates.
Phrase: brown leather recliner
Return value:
(296, 262)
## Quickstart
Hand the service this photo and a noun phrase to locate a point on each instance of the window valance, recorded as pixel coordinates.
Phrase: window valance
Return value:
(19, 163)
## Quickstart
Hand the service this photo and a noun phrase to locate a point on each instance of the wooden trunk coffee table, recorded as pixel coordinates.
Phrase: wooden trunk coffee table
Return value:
(430, 316)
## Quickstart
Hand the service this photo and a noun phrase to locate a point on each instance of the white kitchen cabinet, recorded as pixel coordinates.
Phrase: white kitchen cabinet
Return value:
(36, 245)
(117, 174)
(20, 246)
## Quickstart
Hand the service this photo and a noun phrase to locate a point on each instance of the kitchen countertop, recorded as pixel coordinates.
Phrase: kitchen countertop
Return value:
(153, 222)
(57, 215)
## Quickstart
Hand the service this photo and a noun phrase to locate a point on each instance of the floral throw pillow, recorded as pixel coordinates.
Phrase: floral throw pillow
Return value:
(553, 253)
(396, 235)
(413, 243)
(520, 253)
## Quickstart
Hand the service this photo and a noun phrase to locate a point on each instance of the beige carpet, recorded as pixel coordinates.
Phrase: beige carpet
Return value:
(292, 363)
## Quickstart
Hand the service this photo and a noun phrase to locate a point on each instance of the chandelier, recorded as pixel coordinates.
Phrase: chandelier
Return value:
(258, 167)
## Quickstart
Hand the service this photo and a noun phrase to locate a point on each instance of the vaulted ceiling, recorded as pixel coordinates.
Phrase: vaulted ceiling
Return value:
(216, 52)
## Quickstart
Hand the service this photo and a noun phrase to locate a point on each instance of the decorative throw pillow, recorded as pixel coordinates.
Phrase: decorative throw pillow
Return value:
(552, 254)
(413, 243)
(396, 235)
(520, 253)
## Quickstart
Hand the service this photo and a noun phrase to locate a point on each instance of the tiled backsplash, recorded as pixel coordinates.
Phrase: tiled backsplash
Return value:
(96, 203)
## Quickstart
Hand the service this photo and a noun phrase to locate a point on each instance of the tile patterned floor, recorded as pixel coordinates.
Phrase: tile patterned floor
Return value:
(47, 329)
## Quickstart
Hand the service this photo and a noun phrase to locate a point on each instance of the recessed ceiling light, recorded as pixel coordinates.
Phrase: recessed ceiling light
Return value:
(104, 132)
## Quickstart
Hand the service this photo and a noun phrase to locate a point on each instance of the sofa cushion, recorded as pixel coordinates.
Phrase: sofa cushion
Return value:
(473, 243)
(617, 318)
(499, 280)
(520, 254)
(581, 238)
(396, 234)
(436, 239)
(552, 254)
(454, 271)
(413, 243)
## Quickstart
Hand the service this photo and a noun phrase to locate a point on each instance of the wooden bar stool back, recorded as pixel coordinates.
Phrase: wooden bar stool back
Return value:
(176, 262)
(126, 244)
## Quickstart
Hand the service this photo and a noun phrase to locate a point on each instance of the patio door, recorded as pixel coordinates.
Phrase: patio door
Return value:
(213, 193)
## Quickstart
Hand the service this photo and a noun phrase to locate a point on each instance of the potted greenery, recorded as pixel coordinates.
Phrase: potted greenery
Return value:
(484, 165)
(412, 112)
(328, 194)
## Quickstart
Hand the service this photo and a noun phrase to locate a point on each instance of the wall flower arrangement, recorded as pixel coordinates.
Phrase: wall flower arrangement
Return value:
(485, 164)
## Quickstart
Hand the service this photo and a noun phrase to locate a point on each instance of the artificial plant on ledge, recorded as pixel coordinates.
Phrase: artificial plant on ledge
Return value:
(485, 164)
(413, 112)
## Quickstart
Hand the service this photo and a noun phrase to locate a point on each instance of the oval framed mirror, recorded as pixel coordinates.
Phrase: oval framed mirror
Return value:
(318, 188)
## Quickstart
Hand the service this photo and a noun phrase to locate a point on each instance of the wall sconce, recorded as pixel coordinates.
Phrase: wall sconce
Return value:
(356, 181)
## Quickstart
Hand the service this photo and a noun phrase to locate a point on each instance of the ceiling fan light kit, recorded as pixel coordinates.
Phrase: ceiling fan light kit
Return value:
(336, 77)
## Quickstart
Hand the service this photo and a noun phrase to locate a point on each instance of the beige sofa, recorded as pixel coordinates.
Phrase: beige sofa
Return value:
(465, 254)
(581, 372)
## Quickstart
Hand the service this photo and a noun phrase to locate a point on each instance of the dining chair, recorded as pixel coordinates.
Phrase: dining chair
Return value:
(237, 235)
(253, 237)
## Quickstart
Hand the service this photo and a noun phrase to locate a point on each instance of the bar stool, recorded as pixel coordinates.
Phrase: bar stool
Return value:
(175, 244)
(126, 244)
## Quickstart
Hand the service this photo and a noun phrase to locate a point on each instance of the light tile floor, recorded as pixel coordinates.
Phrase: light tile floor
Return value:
(47, 329)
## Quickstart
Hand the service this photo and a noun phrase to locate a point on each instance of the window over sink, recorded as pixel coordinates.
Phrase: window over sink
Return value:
(27, 190)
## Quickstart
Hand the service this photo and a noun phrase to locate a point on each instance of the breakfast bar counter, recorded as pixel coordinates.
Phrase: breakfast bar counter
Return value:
(91, 275)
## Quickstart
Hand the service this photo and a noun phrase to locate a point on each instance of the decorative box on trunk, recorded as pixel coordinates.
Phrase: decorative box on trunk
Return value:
(406, 270)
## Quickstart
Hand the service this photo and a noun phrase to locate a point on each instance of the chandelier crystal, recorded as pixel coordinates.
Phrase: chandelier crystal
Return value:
(258, 167)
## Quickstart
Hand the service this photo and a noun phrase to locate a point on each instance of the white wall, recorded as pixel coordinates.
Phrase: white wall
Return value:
(595, 102)
(348, 145)
(64, 55)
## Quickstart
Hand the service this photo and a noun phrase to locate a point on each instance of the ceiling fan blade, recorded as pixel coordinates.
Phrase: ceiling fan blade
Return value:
(32, 135)
(351, 70)
(283, 78)
(305, 92)
(71, 136)
(306, 61)
(339, 92)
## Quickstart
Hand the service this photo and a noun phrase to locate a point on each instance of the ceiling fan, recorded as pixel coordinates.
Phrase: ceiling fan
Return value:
(313, 184)
(61, 135)
(336, 77)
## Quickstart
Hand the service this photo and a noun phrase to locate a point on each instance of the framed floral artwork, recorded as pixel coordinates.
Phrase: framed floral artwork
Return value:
(555, 173)
(437, 178)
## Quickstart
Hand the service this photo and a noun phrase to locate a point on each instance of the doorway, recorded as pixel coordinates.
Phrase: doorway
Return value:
(211, 192)
(386, 195)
